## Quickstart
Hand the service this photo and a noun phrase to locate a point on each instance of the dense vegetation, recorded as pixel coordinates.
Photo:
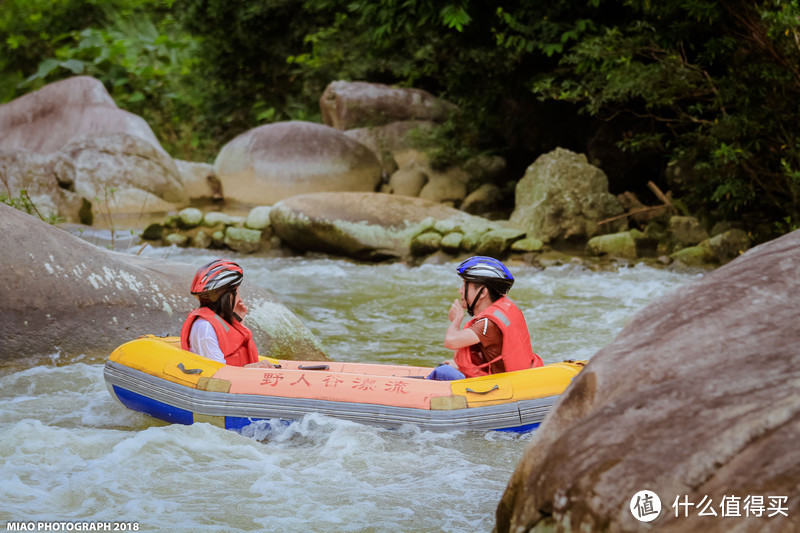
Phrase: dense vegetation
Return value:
(702, 97)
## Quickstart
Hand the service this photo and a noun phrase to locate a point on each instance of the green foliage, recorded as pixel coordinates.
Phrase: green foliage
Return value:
(24, 203)
(718, 85)
(712, 86)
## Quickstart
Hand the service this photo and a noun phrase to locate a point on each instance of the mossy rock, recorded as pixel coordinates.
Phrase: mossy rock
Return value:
(153, 232)
(695, 256)
(622, 245)
(242, 240)
(527, 245)
(191, 217)
(426, 243)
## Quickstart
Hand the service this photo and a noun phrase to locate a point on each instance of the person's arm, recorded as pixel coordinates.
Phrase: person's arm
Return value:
(203, 341)
(455, 337)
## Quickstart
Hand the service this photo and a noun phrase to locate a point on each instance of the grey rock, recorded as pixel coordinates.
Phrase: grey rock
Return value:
(277, 161)
(697, 396)
(366, 226)
(106, 298)
(242, 240)
(563, 197)
(346, 105)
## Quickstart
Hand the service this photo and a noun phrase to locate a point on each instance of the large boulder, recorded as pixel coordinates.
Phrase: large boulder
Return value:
(63, 294)
(389, 138)
(122, 173)
(369, 226)
(562, 198)
(199, 180)
(356, 104)
(695, 400)
(285, 159)
(45, 120)
(46, 181)
(106, 156)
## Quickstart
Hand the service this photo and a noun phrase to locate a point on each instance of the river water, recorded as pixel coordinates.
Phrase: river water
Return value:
(71, 453)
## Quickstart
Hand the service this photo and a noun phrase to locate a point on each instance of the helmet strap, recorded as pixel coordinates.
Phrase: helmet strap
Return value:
(471, 306)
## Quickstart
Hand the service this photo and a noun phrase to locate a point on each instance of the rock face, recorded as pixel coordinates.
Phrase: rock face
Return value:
(346, 105)
(562, 197)
(277, 161)
(697, 396)
(199, 180)
(70, 135)
(47, 179)
(372, 226)
(61, 293)
(45, 120)
(126, 173)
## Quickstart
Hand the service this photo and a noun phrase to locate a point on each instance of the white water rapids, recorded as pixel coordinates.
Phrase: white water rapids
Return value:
(69, 452)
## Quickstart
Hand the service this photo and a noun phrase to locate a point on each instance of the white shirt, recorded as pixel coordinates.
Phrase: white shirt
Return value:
(203, 340)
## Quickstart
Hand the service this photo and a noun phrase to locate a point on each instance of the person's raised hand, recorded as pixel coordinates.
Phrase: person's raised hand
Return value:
(456, 312)
(240, 309)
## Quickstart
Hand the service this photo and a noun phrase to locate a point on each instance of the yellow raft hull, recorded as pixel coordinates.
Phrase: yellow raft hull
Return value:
(155, 376)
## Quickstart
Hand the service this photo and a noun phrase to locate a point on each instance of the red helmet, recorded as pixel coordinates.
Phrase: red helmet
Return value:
(215, 279)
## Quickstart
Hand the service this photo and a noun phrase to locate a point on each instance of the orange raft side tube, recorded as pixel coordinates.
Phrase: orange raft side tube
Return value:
(395, 386)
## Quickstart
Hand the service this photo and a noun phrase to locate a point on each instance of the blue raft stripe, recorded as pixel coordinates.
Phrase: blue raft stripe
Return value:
(520, 429)
(154, 408)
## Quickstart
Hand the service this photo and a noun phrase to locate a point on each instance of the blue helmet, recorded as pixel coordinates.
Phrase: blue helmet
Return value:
(486, 271)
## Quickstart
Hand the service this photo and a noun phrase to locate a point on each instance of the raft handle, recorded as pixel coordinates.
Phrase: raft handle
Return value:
(483, 392)
(313, 367)
(189, 370)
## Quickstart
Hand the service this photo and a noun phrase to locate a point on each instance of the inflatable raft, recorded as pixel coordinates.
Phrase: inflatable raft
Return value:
(155, 376)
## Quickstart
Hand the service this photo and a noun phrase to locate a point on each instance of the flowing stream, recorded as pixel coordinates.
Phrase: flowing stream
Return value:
(71, 453)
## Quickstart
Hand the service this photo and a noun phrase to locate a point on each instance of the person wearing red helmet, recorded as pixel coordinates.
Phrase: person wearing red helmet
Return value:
(496, 339)
(215, 330)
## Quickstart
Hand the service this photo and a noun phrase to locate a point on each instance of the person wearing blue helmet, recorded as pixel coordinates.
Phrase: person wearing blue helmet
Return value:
(496, 338)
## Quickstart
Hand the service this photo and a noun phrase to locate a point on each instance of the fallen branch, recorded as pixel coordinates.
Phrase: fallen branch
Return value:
(661, 196)
(636, 212)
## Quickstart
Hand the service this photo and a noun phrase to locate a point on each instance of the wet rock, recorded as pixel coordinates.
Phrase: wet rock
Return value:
(695, 256)
(408, 182)
(485, 198)
(106, 298)
(527, 245)
(426, 243)
(563, 197)
(153, 232)
(696, 397)
(451, 243)
(258, 218)
(729, 244)
(621, 245)
(242, 240)
(444, 189)
(367, 226)
(176, 239)
(494, 243)
(201, 240)
(686, 231)
(216, 218)
(346, 105)
(285, 159)
(191, 217)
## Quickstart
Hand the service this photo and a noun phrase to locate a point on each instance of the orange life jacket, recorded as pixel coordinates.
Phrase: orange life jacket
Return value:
(235, 340)
(517, 353)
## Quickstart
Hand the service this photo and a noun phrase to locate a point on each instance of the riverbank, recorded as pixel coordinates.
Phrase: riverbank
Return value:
(195, 227)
